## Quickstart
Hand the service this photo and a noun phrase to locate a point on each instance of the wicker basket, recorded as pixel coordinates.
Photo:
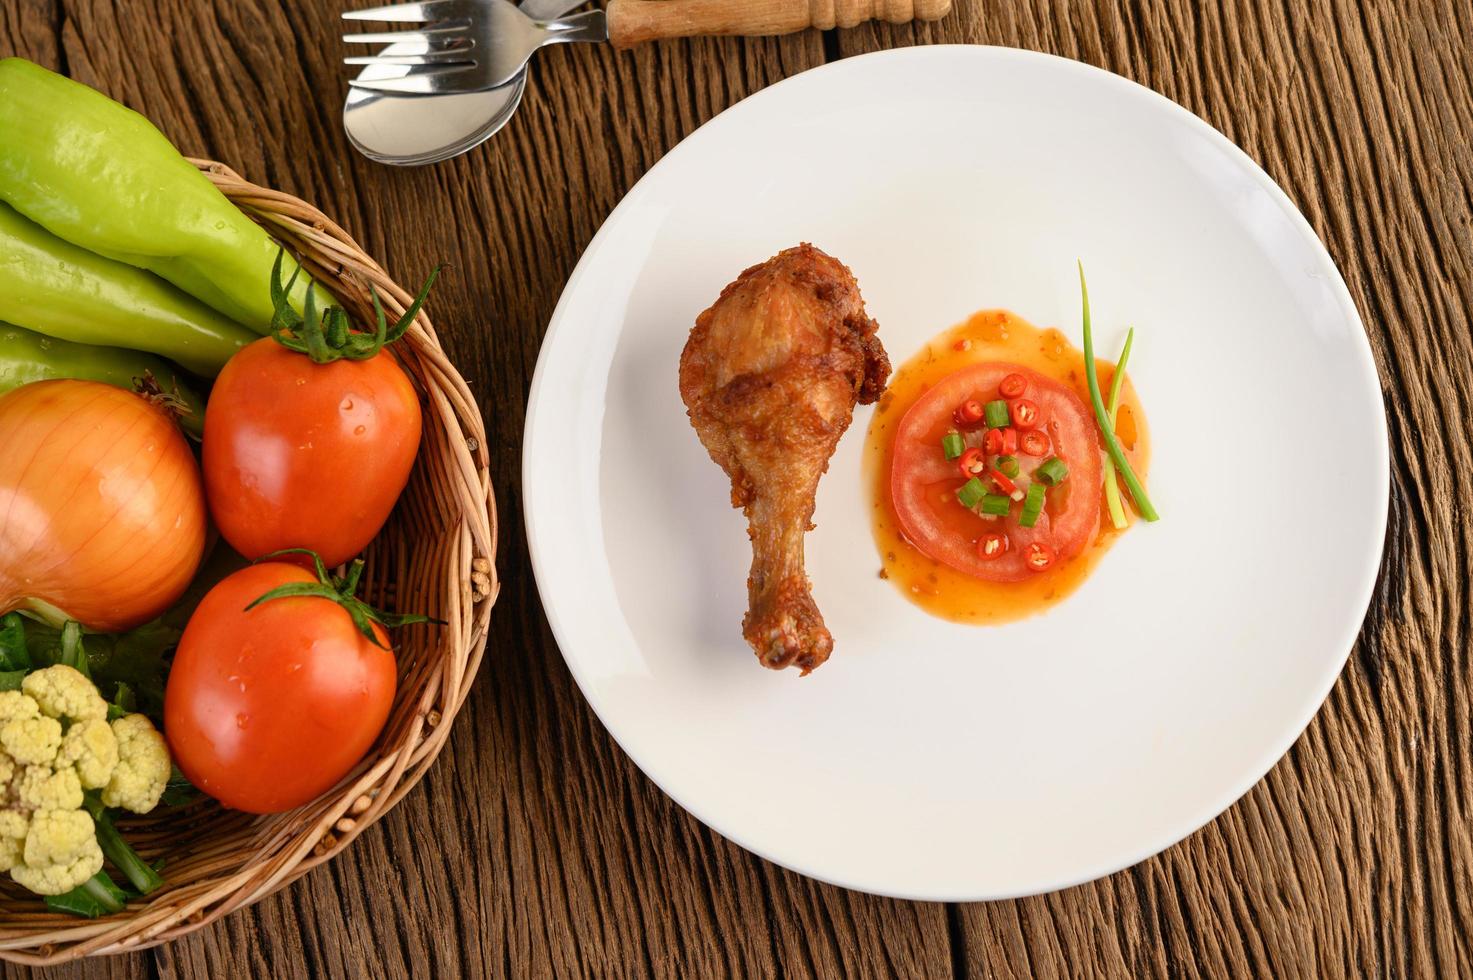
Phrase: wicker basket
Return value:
(436, 555)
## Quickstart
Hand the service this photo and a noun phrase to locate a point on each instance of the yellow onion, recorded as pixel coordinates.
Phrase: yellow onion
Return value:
(102, 513)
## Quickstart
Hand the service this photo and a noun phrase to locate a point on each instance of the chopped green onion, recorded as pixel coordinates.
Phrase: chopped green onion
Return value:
(1053, 471)
(1008, 466)
(1032, 505)
(1132, 482)
(1112, 483)
(996, 504)
(952, 445)
(996, 413)
(971, 493)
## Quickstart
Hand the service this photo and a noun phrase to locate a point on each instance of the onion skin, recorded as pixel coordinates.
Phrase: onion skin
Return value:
(102, 510)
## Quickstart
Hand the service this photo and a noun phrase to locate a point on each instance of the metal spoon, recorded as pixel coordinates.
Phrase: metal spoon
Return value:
(417, 130)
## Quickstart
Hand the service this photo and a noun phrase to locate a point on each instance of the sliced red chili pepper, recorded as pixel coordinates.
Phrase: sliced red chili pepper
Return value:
(991, 546)
(1025, 413)
(1013, 386)
(1034, 443)
(1009, 442)
(972, 463)
(992, 442)
(968, 413)
(1001, 479)
(1040, 557)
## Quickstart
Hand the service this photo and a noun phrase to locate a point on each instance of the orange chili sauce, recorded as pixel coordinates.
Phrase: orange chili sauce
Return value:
(990, 335)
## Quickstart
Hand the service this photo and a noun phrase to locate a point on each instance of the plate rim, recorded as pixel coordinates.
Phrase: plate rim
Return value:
(1368, 374)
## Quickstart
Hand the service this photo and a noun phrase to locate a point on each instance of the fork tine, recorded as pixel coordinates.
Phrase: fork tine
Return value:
(457, 57)
(405, 13)
(429, 35)
(419, 81)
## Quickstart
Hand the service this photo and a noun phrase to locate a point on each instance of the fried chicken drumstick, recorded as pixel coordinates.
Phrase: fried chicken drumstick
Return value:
(770, 376)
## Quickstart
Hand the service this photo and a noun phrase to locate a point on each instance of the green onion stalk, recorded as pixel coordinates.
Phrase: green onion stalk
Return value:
(1112, 444)
(1112, 484)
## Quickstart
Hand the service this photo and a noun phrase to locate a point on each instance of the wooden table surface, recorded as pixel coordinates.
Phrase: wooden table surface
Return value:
(536, 848)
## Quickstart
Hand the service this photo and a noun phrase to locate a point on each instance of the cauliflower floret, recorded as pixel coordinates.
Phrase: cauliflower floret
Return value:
(55, 741)
(13, 827)
(60, 852)
(62, 692)
(43, 768)
(44, 788)
(143, 766)
(15, 706)
(92, 749)
(31, 741)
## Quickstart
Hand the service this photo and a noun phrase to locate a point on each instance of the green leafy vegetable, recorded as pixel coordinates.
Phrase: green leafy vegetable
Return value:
(179, 790)
(1132, 483)
(118, 851)
(137, 660)
(123, 703)
(71, 652)
(97, 896)
(13, 653)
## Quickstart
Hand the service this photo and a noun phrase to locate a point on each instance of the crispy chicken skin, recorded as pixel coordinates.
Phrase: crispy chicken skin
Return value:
(770, 376)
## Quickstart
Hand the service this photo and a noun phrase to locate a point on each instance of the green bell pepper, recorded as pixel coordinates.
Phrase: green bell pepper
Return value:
(27, 357)
(56, 288)
(100, 176)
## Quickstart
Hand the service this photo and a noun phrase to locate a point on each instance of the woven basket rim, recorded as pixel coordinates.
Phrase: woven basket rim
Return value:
(454, 465)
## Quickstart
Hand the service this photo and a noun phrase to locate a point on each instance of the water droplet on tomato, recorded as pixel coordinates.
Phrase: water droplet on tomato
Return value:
(242, 720)
(347, 405)
(359, 430)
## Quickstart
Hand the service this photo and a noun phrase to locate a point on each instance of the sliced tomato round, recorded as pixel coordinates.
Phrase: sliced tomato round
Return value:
(923, 483)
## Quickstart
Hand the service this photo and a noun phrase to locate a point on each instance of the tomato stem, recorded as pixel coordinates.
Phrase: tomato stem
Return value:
(341, 591)
(327, 336)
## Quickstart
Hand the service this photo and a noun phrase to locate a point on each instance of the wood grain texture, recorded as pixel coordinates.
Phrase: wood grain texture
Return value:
(535, 848)
(640, 21)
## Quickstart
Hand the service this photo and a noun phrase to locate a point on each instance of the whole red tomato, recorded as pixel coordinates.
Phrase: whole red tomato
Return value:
(299, 454)
(267, 709)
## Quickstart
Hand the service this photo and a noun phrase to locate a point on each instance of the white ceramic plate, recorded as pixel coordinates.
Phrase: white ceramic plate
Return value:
(926, 759)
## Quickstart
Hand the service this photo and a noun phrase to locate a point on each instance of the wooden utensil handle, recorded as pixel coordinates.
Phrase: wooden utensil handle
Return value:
(635, 21)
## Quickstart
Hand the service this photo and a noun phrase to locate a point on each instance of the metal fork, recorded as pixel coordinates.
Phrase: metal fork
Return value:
(470, 44)
(479, 44)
